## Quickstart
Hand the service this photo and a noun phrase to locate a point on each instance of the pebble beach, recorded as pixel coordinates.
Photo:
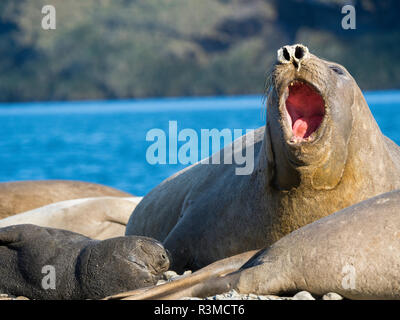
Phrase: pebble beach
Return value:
(234, 295)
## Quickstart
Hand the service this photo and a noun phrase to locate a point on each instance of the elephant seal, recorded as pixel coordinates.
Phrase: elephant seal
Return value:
(320, 151)
(97, 218)
(83, 268)
(21, 196)
(354, 252)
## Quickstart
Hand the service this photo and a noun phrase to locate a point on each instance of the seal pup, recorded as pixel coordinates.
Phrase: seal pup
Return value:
(354, 252)
(21, 196)
(320, 151)
(82, 268)
(97, 218)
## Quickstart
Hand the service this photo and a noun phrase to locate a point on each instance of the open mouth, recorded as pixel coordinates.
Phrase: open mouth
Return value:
(306, 109)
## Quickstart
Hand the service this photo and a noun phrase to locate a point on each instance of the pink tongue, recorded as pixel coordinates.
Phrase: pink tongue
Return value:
(304, 126)
(306, 109)
(300, 127)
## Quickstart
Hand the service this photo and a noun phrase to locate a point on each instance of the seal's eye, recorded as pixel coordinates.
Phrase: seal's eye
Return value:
(337, 69)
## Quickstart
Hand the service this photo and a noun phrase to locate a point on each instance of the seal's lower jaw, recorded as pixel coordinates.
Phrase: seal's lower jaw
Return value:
(304, 112)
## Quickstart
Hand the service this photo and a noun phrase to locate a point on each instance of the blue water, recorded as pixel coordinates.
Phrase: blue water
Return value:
(105, 142)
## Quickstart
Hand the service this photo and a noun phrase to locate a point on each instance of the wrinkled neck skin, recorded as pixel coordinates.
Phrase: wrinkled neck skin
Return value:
(348, 161)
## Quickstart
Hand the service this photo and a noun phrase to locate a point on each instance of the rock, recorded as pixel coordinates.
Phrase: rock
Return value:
(230, 295)
(234, 295)
(332, 296)
(170, 275)
(272, 297)
(159, 282)
(303, 295)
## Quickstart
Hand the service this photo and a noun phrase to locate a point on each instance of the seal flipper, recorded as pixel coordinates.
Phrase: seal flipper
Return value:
(212, 286)
(11, 234)
(187, 285)
(244, 281)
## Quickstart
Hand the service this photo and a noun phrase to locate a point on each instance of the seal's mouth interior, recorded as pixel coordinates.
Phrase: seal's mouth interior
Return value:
(306, 109)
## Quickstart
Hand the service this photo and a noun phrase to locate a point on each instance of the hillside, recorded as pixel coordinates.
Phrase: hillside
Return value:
(113, 49)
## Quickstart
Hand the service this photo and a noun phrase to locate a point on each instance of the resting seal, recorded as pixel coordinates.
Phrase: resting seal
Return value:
(84, 268)
(97, 218)
(320, 151)
(354, 252)
(21, 196)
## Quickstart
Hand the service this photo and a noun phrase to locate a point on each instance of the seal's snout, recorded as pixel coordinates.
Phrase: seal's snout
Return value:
(293, 54)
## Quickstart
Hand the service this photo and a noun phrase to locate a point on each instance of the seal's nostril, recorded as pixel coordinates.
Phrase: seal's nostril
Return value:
(299, 52)
(286, 54)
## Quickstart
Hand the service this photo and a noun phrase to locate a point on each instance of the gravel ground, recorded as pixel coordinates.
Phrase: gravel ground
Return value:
(233, 295)
(302, 295)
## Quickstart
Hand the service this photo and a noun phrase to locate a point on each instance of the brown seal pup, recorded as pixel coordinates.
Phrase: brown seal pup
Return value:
(354, 252)
(320, 151)
(97, 218)
(48, 263)
(21, 196)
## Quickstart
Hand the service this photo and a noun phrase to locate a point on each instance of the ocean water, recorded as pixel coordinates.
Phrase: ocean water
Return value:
(105, 142)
